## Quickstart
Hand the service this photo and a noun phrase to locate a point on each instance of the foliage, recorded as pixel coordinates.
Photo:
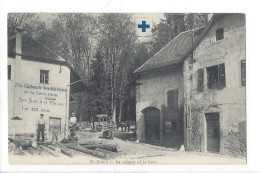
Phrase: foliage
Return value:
(174, 24)
(98, 92)
(104, 51)
(28, 21)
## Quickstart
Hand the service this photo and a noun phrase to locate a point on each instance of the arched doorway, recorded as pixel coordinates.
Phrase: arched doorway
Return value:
(152, 125)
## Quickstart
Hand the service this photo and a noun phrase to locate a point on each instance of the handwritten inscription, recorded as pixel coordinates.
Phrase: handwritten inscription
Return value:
(38, 98)
(34, 109)
(39, 87)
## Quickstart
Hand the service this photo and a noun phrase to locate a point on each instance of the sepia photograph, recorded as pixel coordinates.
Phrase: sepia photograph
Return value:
(127, 88)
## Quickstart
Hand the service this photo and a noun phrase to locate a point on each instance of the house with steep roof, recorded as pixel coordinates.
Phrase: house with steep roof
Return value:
(159, 95)
(215, 88)
(194, 88)
(39, 82)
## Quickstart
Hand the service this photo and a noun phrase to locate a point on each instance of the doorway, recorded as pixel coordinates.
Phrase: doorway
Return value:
(213, 132)
(54, 124)
(152, 125)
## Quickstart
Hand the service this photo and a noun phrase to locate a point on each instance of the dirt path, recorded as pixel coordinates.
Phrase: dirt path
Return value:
(132, 153)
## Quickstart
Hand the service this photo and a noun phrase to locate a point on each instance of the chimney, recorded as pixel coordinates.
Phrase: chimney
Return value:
(17, 71)
(18, 44)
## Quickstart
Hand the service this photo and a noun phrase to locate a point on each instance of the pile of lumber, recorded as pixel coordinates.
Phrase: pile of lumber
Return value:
(109, 147)
(96, 149)
(83, 125)
(58, 149)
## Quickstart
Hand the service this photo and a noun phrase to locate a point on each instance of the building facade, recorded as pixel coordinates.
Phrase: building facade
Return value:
(214, 88)
(160, 94)
(204, 70)
(39, 82)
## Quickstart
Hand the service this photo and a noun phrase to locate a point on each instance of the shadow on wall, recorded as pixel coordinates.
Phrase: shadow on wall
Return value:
(171, 128)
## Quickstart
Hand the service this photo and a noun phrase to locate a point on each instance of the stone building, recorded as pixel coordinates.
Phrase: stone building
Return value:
(195, 87)
(39, 81)
(214, 88)
(159, 94)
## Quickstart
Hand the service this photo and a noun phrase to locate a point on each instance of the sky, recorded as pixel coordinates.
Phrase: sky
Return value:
(150, 18)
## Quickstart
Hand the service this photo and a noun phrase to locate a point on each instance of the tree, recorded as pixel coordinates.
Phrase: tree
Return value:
(174, 24)
(117, 42)
(197, 20)
(29, 22)
(97, 94)
(72, 36)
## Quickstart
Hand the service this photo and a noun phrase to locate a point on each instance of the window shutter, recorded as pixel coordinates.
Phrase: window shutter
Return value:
(243, 72)
(200, 80)
(222, 78)
(9, 71)
(172, 99)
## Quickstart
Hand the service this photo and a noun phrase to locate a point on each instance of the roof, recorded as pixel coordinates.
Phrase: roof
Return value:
(178, 49)
(172, 53)
(216, 17)
(33, 50)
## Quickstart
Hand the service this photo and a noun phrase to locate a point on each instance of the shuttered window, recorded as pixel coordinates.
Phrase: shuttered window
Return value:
(216, 77)
(9, 72)
(200, 83)
(243, 72)
(221, 74)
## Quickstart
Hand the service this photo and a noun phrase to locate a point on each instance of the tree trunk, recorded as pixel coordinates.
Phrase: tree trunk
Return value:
(110, 147)
(48, 150)
(114, 114)
(108, 153)
(120, 110)
(88, 151)
(90, 143)
(55, 148)
(65, 150)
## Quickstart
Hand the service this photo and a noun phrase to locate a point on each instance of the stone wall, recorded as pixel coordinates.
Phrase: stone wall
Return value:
(229, 102)
(153, 93)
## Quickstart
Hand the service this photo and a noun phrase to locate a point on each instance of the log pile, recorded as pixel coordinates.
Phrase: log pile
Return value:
(55, 148)
(50, 151)
(90, 143)
(109, 147)
(64, 149)
(110, 154)
(95, 153)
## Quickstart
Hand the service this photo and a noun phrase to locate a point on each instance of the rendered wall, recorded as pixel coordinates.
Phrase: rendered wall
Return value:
(153, 93)
(230, 101)
(28, 98)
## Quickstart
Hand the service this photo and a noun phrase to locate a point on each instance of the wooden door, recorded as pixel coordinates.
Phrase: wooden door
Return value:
(152, 126)
(213, 135)
(54, 123)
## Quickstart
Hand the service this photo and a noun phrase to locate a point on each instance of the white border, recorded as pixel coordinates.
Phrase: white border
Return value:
(251, 8)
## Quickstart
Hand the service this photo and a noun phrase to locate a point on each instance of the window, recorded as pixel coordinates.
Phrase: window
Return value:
(219, 34)
(44, 76)
(9, 72)
(216, 76)
(243, 72)
(200, 83)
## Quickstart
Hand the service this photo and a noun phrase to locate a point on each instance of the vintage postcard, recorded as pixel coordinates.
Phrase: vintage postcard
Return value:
(126, 88)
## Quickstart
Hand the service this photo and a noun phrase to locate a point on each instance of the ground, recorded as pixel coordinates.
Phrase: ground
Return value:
(132, 153)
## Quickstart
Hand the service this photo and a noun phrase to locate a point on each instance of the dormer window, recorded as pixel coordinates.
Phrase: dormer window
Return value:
(219, 34)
